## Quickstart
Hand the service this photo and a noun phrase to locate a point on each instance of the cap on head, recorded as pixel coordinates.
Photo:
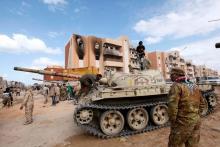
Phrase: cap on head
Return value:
(177, 71)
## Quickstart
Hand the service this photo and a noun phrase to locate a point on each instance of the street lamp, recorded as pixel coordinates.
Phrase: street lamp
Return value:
(217, 45)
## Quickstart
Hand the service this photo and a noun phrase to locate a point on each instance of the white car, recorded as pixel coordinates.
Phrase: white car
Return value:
(211, 80)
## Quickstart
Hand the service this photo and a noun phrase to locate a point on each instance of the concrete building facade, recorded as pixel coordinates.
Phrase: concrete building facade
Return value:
(164, 61)
(106, 54)
(54, 68)
(159, 61)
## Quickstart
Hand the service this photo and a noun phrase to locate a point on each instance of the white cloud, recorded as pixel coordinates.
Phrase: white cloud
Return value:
(20, 43)
(54, 5)
(202, 52)
(43, 62)
(55, 34)
(55, 2)
(152, 40)
(188, 18)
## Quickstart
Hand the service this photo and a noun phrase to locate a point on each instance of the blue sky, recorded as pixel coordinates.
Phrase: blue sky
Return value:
(33, 33)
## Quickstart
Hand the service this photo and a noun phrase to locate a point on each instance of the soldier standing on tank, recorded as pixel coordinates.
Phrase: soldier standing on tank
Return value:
(28, 103)
(184, 107)
(141, 54)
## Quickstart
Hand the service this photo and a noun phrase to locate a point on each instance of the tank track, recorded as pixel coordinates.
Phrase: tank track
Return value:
(206, 94)
(93, 128)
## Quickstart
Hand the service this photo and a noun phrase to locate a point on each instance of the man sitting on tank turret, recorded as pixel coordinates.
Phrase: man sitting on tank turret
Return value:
(88, 81)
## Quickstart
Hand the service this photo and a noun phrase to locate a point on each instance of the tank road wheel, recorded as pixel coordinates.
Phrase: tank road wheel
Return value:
(84, 116)
(212, 100)
(111, 122)
(206, 108)
(159, 114)
(137, 119)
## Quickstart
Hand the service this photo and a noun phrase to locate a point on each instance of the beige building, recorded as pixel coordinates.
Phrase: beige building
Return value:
(190, 69)
(159, 60)
(134, 64)
(108, 55)
(203, 71)
(163, 61)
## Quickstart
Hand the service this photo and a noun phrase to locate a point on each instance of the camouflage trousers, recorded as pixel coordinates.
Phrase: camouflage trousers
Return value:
(29, 113)
(63, 96)
(45, 99)
(188, 135)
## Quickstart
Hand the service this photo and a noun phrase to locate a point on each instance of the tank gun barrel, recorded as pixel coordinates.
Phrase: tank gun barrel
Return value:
(45, 72)
(46, 81)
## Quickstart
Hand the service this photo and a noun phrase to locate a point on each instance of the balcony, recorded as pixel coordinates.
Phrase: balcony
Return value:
(134, 64)
(113, 63)
(133, 56)
(182, 60)
(112, 52)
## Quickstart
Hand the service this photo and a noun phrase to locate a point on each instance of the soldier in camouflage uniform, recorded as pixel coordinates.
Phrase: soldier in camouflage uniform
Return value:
(28, 103)
(184, 107)
(63, 92)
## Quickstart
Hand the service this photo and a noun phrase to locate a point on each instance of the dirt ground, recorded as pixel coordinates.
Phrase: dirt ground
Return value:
(53, 126)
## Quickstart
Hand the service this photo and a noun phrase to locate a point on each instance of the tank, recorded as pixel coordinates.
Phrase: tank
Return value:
(127, 103)
(130, 104)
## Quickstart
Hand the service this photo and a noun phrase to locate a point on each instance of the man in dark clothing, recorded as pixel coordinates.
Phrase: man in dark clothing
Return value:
(88, 81)
(140, 49)
(140, 52)
(184, 106)
(7, 97)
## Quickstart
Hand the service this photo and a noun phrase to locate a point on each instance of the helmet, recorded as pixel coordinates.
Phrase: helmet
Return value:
(140, 42)
(178, 71)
